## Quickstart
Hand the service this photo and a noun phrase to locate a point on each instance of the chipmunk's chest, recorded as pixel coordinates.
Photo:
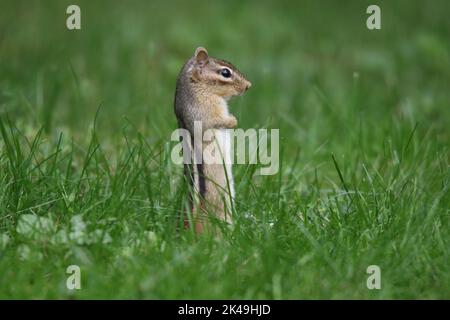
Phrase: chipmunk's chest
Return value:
(222, 107)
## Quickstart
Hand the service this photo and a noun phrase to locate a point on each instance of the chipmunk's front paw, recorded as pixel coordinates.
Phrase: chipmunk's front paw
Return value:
(232, 122)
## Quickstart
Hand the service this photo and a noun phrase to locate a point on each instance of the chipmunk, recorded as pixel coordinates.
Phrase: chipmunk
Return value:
(204, 86)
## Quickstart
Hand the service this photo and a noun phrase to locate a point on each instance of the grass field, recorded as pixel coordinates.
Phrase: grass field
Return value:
(86, 177)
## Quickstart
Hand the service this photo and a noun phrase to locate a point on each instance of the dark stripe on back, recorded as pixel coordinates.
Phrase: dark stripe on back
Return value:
(201, 180)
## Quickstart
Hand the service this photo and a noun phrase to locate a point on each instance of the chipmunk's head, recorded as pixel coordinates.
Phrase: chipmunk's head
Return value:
(221, 77)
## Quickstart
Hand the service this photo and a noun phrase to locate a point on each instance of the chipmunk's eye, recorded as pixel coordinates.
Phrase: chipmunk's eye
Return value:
(225, 72)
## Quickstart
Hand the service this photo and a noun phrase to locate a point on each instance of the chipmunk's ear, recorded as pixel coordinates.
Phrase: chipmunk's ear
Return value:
(201, 56)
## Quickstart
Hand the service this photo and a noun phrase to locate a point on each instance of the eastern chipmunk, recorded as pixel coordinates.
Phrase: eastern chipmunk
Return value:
(204, 86)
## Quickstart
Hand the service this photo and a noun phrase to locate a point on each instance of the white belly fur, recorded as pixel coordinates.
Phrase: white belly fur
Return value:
(223, 138)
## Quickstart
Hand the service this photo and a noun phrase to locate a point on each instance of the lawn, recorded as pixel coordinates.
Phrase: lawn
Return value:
(86, 176)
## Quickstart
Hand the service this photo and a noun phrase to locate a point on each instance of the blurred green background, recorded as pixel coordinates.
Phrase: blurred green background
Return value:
(127, 57)
(378, 100)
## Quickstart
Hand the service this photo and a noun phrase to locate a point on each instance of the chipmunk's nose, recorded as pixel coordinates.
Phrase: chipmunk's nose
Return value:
(248, 85)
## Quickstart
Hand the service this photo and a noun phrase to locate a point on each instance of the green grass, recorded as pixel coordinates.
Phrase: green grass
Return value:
(86, 177)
